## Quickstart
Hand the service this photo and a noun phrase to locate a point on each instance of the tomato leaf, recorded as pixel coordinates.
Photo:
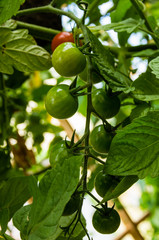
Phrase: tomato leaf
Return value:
(104, 61)
(55, 190)
(21, 220)
(123, 185)
(19, 50)
(119, 13)
(8, 8)
(153, 64)
(135, 148)
(144, 87)
(14, 193)
(129, 25)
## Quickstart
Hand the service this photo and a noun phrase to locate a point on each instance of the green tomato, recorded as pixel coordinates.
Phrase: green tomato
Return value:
(100, 139)
(106, 223)
(155, 104)
(59, 153)
(72, 206)
(68, 60)
(104, 183)
(60, 103)
(106, 106)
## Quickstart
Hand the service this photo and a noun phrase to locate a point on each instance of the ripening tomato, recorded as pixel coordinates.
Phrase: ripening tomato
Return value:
(61, 38)
(68, 60)
(100, 139)
(106, 223)
(104, 183)
(60, 103)
(106, 106)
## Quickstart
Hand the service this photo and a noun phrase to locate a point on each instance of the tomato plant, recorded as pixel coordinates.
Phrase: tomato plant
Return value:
(115, 141)
(60, 103)
(106, 223)
(106, 106)
(61, 38)
(68, 60)
(100, 139)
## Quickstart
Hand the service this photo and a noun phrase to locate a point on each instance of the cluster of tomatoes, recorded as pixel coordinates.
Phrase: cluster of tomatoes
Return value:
(62, 103)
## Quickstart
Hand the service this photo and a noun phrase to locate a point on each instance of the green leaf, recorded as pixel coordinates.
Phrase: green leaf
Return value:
(146, 53)
(14, 193)
(146, 87)
(9, 24)
(153, 64)
(21, 220)
(121, 10)
(55, 190)
(129, 25)
(135, 148)
(105, 63)
(140, 110)
(123, 185)
(18, 50)
(8, 8)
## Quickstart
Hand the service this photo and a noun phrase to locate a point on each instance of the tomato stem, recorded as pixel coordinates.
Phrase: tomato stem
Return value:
(5, 123)
(147, 24)
(96, 158)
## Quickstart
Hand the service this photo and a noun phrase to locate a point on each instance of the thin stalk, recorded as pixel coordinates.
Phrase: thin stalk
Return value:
(85, 230)
(48, 9)
(92, 196)
(77, 89)
(5, 123)
(96, 158)
(147, 24)
(38, 31)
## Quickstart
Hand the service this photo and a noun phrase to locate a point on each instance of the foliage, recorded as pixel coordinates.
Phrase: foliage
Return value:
(40, 171)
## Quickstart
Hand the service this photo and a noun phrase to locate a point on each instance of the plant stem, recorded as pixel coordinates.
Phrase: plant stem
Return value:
(92, 196)
(5, 123)
(48, 9)
(38, 31)
(147, 24)
(98, 159)
(92, 6)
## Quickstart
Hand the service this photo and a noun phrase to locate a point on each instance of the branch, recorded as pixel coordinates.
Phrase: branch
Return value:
(147, 24)
(48, 9)
(38, 31)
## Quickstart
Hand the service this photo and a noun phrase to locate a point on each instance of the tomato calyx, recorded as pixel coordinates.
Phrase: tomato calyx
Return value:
(75, 148)
(75, 91)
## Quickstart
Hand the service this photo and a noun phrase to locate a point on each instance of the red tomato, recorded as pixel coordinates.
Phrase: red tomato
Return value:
(61, 38)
